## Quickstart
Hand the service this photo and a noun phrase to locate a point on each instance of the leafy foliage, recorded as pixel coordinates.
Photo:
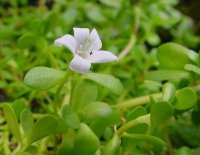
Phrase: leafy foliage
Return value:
(146, 103)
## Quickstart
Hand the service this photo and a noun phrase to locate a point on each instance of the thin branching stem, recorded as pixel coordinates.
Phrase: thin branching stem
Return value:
(145, 99)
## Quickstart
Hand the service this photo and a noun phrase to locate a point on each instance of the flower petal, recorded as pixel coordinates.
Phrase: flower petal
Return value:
(95, 40)
(81, 34)
(68, 41)
(80, 65)
(101, 57)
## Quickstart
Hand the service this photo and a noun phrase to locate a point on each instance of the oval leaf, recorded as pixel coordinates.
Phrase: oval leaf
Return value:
(156, 142)
(84, 93)
(184, 151)
(161, 75)
(108, 81)
(172, 56)
(12, 121)
(27, 41)
(192, 68)
(168, 91)
(136, 112)
(42, 128)
(43, 78)
(160, 112)
(97, 109)
(69, 117)
(27, 121)
(113, 146)
(86, 142)
(185, 98)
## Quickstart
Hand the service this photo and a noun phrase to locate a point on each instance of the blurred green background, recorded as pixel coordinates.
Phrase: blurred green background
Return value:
(135, 28)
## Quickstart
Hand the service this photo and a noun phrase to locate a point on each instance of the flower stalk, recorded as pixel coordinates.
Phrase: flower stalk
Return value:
(138, 101)
(139, 120)
(56, 104)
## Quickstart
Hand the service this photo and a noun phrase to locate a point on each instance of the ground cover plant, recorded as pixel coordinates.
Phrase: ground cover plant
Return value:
(98, 77)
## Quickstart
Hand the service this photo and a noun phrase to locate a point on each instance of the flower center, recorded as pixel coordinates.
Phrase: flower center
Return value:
(82, 54)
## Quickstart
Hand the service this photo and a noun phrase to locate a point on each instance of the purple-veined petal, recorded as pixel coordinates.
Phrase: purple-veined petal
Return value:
(81, 35)
(95, 42)
(68, 41)
(80, 65)
(101, 57)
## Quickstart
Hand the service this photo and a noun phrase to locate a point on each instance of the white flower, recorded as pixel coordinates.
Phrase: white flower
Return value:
(85, 47)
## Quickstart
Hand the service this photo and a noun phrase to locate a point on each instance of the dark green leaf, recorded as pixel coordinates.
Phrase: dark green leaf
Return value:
(27, 41)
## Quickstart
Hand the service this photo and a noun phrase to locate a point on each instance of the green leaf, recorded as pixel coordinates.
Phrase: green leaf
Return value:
(94, 13)
(43, 78)
(42, 128)
(99, 124)
(161, 75)
(18, 106)
(86, 142)
(184, 151)
(97, 109)
(69, 117)
(61, 126)
(160, 113)
(185, 99)
(12, 121)
(84, 93)
(27, 121)
(172, 56)
(108, 81)
(133, 114)
(192, 68)
(67, 144)
(27, 41)
(31, 150)
(109, 3)
(136, 112)
(113, 146)
(168, 91)
(154, 142)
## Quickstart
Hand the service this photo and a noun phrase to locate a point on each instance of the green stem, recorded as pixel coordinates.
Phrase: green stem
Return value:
(138, 101)
(72, 88)
(128, 47)
(61, 85)
(4, 127)
(6, 142)
(167, 140)
(145, 99)
(128, 125)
